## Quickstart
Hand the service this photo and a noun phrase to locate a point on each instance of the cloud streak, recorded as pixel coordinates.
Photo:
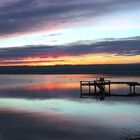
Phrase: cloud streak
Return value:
(42, 53)
(25, 15)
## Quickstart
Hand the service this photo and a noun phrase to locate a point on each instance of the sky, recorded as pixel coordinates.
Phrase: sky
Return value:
(60, 32)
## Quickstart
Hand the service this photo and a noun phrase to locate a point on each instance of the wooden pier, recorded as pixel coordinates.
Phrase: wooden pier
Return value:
(101, 88)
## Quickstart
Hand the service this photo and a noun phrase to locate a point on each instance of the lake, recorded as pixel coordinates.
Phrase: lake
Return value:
(49, 107)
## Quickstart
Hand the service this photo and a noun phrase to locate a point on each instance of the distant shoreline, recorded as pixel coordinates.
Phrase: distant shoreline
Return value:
(130, 73)
(113, 69)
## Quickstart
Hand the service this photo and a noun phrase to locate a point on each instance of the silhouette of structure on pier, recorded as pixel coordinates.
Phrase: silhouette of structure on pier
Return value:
(101, 88)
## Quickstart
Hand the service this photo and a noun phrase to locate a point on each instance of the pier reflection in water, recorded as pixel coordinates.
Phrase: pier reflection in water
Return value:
(98, 88)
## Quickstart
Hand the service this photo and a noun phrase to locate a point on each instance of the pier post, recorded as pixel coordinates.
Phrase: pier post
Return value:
(134, 90)
(80, 89)
(95, 90)
(109, 89)
(130, 89)
(89, 88)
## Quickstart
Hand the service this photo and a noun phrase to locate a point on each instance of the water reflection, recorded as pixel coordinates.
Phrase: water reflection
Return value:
(71, 119)
(27, 127)
(102, 112)
(62, 114)
(52, 86)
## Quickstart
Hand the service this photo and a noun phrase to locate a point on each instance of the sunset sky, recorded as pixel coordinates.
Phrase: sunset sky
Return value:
(59, 32)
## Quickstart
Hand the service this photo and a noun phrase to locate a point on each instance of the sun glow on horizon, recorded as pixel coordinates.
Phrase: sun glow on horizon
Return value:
(73, 60)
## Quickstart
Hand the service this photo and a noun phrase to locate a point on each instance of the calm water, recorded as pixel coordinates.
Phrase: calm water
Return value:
(40, 107)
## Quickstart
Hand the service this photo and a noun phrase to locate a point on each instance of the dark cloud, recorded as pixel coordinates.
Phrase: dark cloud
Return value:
(25, 15)
(27, 62)
(122, 47)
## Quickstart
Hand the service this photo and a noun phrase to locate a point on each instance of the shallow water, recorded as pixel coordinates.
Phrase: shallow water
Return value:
(49, 107)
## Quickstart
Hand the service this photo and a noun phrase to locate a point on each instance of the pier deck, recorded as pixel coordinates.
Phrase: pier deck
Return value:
(101, 87)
